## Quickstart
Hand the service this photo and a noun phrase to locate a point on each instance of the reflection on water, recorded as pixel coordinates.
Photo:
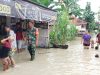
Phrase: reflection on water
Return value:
(72, 61)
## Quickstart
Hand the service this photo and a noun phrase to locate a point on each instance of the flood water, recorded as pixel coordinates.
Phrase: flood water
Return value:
(72, 61)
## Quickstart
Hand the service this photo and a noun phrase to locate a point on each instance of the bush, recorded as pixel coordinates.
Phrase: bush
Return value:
(61, 32)
(71, 32)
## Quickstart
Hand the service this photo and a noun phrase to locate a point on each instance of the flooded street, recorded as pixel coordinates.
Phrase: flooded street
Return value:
(72, 61)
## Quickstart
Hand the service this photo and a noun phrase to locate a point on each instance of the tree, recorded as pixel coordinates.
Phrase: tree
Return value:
(88, 15)
(98, 14)
(73, 7)
(77, 11)
(70, 4)
(42, 2)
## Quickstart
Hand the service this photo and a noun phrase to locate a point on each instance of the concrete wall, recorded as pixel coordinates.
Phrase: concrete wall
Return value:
(43, 38)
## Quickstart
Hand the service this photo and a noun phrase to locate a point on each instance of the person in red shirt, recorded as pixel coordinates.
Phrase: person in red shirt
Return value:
(4, 53)
(98, 40)
(19, 36)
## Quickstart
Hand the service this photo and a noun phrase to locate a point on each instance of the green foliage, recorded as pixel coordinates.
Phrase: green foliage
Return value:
(61, 33)
(77, 11)
(42, 2)
(70, 3)
(92, 26)
(89, 16)
(58, 35)
(71, 32)
(73, 7)
(98, 13)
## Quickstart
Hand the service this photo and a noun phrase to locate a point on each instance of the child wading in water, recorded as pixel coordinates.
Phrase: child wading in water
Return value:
(4, 53)
(92, 43)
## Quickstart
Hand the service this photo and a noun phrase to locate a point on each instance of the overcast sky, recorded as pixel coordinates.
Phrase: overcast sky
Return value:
(95, 4)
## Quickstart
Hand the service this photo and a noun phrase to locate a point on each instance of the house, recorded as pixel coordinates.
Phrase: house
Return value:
(78, 22)
(23, 11)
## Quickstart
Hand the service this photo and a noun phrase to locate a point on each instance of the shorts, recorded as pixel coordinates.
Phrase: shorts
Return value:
(19, 44)
(11, 53)
(86, 44)
(4, 52)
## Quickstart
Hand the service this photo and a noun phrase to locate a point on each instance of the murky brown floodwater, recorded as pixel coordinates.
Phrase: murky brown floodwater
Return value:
(73, 61)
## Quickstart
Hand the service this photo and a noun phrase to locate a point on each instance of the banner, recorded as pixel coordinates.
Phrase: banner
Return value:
(20, 9)
(47, 15)
(32, 12)
(25, 10)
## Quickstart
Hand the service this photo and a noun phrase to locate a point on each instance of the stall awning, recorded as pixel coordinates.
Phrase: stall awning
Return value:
(26, 10)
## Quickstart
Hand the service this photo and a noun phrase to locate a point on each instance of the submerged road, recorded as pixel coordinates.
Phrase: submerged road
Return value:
(72, 61)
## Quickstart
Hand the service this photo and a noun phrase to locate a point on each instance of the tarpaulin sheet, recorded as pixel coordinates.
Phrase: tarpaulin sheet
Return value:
(25, 10)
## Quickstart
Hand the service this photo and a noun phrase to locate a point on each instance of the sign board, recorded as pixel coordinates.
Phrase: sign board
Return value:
(5, 7)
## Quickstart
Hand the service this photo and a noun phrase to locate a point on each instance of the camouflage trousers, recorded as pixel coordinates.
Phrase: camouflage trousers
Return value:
(31, 49)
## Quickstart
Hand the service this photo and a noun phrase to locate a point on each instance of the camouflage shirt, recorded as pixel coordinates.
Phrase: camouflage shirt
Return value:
(31, 36)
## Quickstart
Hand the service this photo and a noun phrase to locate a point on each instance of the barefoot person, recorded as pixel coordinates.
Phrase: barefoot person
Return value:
(19, 36)
(92, 43)
(4, 53)
(86, 40)
(12, 37)
(32, 37)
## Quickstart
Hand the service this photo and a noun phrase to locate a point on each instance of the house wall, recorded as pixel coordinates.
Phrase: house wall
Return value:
(78, 22)
(74, 21)
(43, 38)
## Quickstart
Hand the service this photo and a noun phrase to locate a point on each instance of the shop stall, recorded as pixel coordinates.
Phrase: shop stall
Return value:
(13, 11)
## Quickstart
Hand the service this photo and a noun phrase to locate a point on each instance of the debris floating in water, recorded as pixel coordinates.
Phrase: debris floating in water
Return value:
(97, 56)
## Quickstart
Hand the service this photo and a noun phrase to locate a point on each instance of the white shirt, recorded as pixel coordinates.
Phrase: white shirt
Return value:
(13, 41)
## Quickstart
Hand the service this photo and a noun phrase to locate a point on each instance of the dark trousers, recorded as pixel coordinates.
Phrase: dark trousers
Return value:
(31, 49)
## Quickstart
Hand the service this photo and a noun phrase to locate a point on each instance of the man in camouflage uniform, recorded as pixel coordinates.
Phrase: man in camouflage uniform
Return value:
(31, 37)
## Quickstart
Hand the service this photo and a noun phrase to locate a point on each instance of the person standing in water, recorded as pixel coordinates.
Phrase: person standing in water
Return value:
(32, 37)
(12, 37)
(86, 39)
(19, 36)
(98, 40)
(4, 53)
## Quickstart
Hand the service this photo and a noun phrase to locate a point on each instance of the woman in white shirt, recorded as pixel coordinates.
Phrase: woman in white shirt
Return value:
(12, 37)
